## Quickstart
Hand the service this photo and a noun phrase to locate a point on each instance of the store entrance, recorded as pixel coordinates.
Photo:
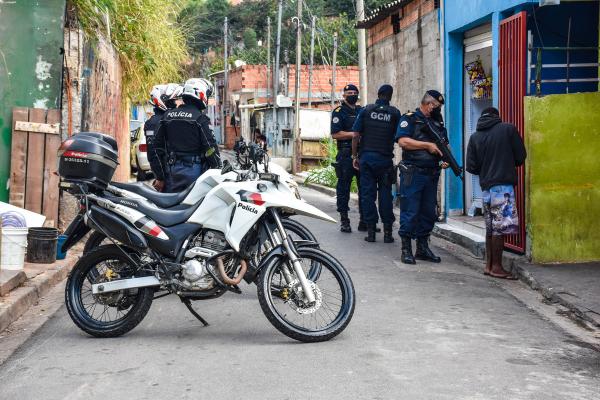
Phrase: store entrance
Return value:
(477, 80)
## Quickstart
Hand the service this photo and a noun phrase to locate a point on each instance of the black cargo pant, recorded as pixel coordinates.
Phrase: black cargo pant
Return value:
(345, 172)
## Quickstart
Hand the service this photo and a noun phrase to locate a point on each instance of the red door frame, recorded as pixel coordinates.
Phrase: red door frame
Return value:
(512, 68)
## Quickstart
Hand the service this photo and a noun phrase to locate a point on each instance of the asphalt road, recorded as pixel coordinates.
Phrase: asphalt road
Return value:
(419, 332)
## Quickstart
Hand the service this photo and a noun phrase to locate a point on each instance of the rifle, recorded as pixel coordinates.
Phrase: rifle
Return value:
(444, 147)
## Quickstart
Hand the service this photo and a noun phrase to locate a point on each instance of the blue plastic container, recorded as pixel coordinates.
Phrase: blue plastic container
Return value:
(59, 254)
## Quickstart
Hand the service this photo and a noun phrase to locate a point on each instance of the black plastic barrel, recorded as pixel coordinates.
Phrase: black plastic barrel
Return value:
(41, 245)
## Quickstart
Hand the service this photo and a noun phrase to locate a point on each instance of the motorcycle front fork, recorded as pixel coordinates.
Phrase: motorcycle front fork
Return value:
(294, 260)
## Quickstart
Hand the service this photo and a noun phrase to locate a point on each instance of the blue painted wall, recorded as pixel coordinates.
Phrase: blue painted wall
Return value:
(552, 23)
(459, 17)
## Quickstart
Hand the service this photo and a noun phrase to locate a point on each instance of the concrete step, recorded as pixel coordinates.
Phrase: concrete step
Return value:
(10, 279)
(473, 242)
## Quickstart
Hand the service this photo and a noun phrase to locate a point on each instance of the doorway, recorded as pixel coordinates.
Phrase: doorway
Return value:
(477, 86)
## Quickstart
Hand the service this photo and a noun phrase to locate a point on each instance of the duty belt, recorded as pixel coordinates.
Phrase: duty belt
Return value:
(184, 158)
(422, 170)
(345, 151)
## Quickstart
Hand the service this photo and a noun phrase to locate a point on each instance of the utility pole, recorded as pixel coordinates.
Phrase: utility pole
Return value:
(225, 78)
(333, 65)
(312, 56)
(362, 52)
(268, 57)
(286, 80)
(276, 75)
(296, 141)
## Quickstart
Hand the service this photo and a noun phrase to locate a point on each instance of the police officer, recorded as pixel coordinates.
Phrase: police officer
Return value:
(419, 176)
(184, 143)
(342, 120)
(375, 128)
(162, 97)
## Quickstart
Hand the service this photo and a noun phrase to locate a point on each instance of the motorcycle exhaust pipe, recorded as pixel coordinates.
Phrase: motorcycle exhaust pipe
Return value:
(122, 284)
(226, 279)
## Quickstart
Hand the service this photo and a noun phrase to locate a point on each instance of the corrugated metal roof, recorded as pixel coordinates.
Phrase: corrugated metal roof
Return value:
(381, 13)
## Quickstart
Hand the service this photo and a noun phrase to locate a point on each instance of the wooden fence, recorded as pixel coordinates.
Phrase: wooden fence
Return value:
(33, 178)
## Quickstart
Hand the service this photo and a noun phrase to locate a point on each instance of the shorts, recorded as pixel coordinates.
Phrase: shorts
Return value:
(500, 211)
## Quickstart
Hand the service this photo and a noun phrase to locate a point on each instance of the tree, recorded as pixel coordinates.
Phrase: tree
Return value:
(202, 20)
(248, 23)
(249, 38)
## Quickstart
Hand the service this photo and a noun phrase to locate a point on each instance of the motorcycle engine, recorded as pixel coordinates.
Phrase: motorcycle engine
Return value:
(194, 271)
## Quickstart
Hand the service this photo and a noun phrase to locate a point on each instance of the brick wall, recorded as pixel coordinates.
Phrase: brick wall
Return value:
(411, 14)
(254, 78)
(250, 81)
(409, 61)
(92, 101)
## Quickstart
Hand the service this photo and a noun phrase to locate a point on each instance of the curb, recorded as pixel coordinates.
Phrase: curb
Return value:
(476, 247)
(553, 294)
(516, 263)
(322, 188)
(18, 301)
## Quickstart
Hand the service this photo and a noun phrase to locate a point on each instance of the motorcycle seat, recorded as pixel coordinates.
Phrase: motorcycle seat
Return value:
(162, 200)
(161, 216)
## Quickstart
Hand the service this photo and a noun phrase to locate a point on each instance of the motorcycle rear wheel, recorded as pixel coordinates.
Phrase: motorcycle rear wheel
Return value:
(128, 307)
(299, 321)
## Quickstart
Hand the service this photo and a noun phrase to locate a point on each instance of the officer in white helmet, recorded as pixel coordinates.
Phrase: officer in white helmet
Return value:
(163, 98)
(184, 144)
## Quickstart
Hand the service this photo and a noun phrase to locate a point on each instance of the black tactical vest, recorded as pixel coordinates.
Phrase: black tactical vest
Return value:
(182, 133)
(379, 129)
(422, 158)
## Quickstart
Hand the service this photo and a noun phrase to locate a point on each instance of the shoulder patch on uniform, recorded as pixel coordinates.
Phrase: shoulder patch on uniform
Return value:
(403, 124)
(335, 120)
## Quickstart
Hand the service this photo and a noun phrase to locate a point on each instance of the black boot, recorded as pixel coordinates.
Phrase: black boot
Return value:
(362, 227)
(424, 252)
(407, 254)
(370, 233)
(345, 223)
(387, 233)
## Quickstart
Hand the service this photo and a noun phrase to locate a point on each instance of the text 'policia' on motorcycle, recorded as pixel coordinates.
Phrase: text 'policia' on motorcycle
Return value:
(198, 244)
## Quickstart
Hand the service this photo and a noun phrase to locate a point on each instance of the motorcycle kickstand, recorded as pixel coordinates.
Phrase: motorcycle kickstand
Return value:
(188, 304)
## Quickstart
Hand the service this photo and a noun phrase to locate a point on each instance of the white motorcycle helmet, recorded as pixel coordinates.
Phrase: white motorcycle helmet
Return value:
(199, 89)
(156, 96)
(171, 93)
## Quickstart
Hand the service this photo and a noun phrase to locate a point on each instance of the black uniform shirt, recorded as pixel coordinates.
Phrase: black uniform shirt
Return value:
(183, 131)
(407, 127)
(342, 119)
(150, 127)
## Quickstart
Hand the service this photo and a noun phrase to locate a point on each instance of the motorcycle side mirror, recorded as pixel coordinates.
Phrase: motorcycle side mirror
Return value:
(227, 167)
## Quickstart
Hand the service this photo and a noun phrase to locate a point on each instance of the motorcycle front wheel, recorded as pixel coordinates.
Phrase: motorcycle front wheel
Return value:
(111, 314)
(283, 304)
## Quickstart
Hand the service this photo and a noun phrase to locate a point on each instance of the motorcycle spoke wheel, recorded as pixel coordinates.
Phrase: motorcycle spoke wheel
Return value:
(110, 307)
(284, 303)
(108, 314)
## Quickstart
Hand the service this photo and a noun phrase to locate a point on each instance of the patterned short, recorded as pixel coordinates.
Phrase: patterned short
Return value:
(500, 210)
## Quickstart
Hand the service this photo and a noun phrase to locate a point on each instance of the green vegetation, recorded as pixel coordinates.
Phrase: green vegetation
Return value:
(151, 45)
(325, 174)
(168, 40)
(248, 25)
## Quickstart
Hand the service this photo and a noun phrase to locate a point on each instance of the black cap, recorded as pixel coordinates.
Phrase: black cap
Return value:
(385, 90)
(350, 87)
(436, 95)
